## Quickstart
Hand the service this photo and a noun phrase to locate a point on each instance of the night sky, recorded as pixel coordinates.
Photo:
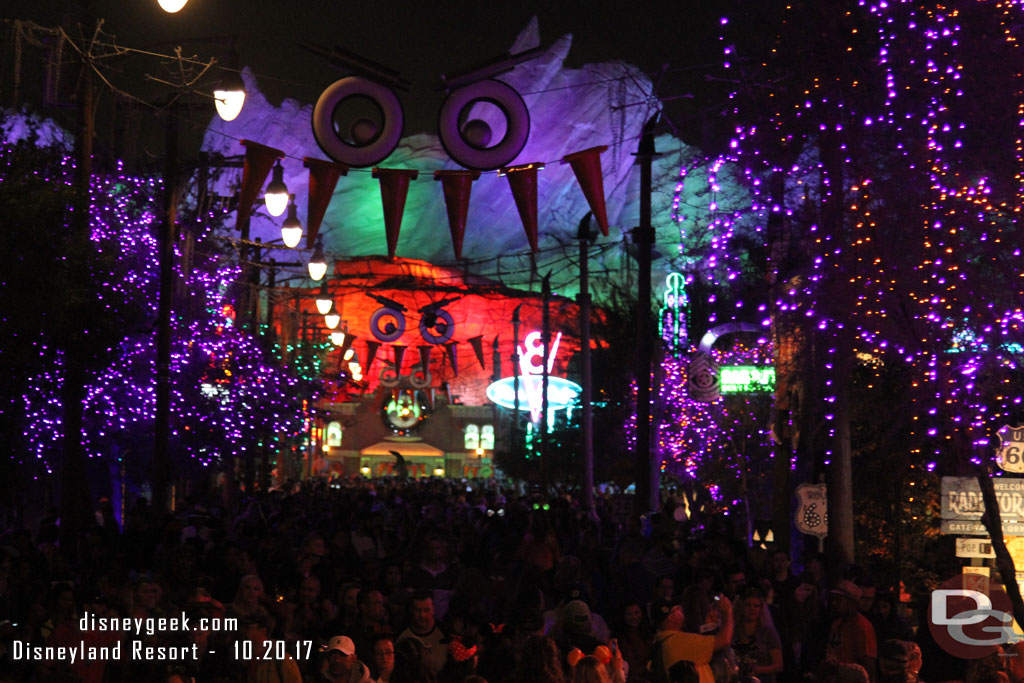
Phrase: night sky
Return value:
(420, 40)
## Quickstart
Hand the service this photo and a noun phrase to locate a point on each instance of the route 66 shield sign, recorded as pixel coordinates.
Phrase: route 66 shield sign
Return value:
(1010, 455)
(812, 510)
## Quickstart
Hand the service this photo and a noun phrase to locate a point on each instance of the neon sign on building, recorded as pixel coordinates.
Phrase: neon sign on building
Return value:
(561, 392)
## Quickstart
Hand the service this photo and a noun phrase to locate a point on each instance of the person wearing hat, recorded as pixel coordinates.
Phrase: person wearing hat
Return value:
(340, 664)
(576, 628)
(673, 645)
(852, 637)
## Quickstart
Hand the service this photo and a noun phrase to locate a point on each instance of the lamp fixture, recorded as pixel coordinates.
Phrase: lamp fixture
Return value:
(291, 229)
(229, 93)
(324, 302)
(172, 6)
(332, 320)
(318, 264)
(337, 338)
(276, 196)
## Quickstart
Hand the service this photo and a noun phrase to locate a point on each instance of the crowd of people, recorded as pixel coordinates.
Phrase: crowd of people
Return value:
(441, 581)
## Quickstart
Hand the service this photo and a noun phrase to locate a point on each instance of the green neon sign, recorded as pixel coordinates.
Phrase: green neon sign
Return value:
(737, 379)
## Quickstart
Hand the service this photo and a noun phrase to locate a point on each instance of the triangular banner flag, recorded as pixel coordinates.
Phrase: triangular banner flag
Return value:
(425, 356)
(394, 187)
(586, 164)
(323, 177)
(456, 186)
(371, 353)
(477, 343)
(259, 159)
(453, 356)
(523, 181)
(399, 355)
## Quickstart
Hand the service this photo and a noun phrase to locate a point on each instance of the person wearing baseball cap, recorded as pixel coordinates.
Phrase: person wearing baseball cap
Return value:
(852, 637)
(340, 664)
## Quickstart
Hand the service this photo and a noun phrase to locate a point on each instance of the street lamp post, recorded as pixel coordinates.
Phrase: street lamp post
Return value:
(647, 470)
(585, 235)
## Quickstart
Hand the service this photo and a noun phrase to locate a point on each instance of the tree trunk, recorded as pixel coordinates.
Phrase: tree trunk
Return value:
(1004, 563)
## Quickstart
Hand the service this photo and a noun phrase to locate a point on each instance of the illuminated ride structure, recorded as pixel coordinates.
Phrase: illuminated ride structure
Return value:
(421, 368)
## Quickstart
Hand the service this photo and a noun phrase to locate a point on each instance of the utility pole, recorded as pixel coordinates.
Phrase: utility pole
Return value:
(648, 496)
(545, 465)
(162, 418)
(75, 505)
(584, 235)
(517, 450)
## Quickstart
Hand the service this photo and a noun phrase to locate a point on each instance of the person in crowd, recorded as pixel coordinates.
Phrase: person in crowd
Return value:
(461, 662)
(424, 628)
(248, 600)
(372, 621)
(756, 642)
(673, 644)
(344, 611)
(410, 664)
(383, 659)
(635, 639)
(340, 664)
(576, 629)
(1015, 661)
(886, 619)
(262, 669)
(539, 662)
(899, 661)
(851, 636)
(590, 669)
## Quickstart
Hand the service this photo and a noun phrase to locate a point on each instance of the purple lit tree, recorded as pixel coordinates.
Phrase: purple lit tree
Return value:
(879, 148)
(233, 396)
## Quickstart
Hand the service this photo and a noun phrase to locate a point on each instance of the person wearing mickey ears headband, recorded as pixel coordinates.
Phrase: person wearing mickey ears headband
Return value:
(605, 665)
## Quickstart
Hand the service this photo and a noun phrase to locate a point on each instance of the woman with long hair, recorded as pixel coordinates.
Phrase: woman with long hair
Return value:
(755, 640)
(539, 662)
(636, 638)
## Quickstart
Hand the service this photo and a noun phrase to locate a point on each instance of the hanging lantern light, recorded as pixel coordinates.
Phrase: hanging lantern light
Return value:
(332, 320)
(276, 196)
(324, 302)
(172, 6)
(291, 229)
(318, 264)
(229, 93)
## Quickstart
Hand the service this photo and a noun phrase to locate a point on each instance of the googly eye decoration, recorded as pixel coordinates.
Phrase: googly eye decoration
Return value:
(470, 143)
(389, 376)
(387, 324)
(437, 328)
(420, 378)
(364, 143)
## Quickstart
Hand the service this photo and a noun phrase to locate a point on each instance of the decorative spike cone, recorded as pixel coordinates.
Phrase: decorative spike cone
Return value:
(394, 187)
(453, 356)
(323, 177)
(399, 355)
(347, 344)
(456, 186)
(259, 160)
(523, 181)
(425, 357)
(586, 164)
(477, 343)
(371, 353)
